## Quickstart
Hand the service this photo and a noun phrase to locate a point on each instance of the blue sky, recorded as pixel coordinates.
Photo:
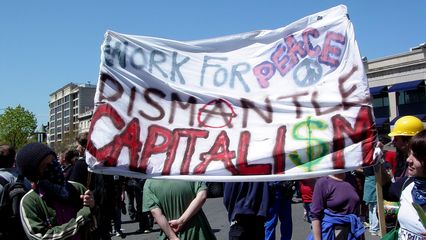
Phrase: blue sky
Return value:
(47, 44)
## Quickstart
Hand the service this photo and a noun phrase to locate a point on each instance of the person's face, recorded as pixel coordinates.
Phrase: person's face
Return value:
(401, 143)
(44, 164)
(415, 166)
(80, 150)
(62, 159)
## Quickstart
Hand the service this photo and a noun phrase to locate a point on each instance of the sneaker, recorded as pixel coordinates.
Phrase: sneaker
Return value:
(366, 224)
(119, 233)
(374, 233)
(147, 231)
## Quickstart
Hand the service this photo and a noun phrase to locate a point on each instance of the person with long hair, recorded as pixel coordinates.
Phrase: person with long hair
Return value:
(411, 214)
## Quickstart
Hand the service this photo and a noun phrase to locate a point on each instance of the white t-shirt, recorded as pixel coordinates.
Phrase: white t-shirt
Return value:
(410, 225)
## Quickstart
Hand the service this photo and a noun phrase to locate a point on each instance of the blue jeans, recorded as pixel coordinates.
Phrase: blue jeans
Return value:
(307, 207)
(372, 217)
(280, 209)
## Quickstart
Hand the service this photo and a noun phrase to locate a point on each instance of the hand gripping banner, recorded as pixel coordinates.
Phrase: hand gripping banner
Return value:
(288, 103)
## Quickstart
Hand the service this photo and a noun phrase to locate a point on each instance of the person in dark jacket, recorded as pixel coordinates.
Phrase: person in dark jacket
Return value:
(247, 204)
(80, 173)
(54, 208)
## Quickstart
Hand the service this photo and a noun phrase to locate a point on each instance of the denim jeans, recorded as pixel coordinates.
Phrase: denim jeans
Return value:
(372, 217)
(280, 209)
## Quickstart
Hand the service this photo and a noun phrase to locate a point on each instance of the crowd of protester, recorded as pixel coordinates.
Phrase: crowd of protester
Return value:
(65, 201)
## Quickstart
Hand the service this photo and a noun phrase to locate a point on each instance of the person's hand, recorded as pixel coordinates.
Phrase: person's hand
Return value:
(176, 225)
(88, 200)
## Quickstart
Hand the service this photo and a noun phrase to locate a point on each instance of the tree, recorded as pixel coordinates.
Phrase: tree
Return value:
(16, 126)
(67, 143)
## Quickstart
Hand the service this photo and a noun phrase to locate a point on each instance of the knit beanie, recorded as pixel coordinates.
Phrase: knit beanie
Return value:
(29, 158)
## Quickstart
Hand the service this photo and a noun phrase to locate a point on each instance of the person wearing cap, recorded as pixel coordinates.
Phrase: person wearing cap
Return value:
(53, 208)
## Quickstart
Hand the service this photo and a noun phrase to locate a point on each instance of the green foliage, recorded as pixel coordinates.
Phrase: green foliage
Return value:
(67, 143)
(17, 125)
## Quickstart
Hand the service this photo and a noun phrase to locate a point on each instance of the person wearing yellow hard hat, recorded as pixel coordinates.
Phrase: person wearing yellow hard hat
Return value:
(405, 128)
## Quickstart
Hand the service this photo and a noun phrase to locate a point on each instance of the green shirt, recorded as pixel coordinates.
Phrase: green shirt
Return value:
(173, 198)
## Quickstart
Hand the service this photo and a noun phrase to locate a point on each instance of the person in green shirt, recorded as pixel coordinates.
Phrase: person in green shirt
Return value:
(176, 207)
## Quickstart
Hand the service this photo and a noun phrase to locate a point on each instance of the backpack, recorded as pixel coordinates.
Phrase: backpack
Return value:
(10, 198)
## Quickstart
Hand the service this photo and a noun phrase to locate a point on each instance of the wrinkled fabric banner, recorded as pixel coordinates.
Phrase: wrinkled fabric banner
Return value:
(288, 103)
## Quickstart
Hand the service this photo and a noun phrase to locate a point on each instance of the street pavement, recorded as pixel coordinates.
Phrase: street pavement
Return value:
(217, 216)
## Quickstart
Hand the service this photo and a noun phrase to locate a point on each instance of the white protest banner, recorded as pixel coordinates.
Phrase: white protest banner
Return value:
(280, 104)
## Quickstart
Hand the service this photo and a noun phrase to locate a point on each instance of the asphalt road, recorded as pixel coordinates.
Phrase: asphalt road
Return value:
(217, 217)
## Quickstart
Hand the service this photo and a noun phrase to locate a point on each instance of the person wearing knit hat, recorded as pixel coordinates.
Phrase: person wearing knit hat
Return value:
(29, 158)
(53, 208)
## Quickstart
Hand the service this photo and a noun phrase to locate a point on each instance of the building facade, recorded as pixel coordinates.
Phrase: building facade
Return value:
(66, 105)
(397, 86)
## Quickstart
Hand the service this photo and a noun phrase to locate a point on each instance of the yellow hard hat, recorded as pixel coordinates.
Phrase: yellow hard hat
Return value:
(407, 126)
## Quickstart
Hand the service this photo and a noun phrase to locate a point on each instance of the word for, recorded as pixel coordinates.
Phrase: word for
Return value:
(286, 56)
(162, 140)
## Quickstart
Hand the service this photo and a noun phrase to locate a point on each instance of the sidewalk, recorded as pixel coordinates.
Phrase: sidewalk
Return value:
(217, 216)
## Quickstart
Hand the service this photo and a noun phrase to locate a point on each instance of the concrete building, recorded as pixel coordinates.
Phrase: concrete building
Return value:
(84, 120)
(397, 84)
(65, 107)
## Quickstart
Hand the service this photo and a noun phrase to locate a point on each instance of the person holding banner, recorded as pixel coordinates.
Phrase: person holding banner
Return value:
(335, 205)
(177, 208)
(54, 208)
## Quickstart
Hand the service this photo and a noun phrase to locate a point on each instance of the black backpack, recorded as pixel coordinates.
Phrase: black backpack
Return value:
(10, 222)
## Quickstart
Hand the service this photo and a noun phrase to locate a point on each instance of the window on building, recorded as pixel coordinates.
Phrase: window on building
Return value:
(52, 138)
(67, 98)
(66, 120)
(412, 96)
(381, 100)
(66, 113)
(59, 136)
